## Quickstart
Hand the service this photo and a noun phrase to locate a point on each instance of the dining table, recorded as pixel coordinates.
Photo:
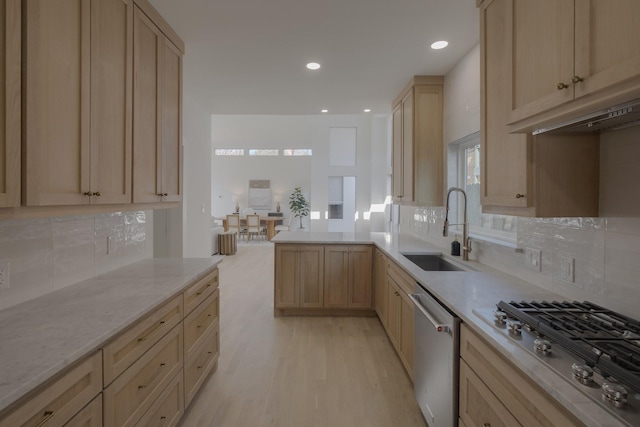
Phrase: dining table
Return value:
(270, 221)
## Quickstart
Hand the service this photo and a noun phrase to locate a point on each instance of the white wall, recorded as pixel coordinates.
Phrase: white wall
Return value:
(196, 212)
(605, 249)
(231, 175)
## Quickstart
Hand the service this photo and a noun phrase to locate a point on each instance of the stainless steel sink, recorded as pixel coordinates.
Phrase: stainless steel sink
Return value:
(430, 262)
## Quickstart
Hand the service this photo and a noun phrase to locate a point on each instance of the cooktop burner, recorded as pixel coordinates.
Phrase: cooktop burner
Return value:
(596, 349)
(602, 338)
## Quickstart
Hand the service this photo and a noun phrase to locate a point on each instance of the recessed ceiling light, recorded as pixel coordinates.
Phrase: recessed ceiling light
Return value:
(313, 65)
(324, 111)
(439, 44)
(367, 110)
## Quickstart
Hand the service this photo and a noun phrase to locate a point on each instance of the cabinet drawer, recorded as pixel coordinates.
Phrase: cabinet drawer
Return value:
(90, 416)
(168, 408)
(120, 353)
(526, 401)
(199, 291)
(404, 281)
(133, 392)
(201, 363)
(200, 322)
(60, 400)
(478, 405)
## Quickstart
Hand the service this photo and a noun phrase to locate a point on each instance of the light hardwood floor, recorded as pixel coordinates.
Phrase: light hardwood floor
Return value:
(297, 371)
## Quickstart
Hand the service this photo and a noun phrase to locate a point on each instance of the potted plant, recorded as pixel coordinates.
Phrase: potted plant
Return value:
(298, 204)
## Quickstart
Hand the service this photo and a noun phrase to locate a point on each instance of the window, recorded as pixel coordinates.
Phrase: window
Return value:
(228, 152)
(297, 152)
(263, 152)
(498, 227)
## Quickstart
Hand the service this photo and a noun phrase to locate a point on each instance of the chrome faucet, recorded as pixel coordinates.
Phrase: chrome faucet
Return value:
(466, 241)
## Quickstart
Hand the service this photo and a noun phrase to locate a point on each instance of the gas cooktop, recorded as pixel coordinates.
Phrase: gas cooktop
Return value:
(596, 349)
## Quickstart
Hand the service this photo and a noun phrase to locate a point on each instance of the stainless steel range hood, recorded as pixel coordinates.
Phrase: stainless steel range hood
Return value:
(610, 119)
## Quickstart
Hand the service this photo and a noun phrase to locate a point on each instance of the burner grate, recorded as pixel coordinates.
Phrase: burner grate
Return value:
(604, 339)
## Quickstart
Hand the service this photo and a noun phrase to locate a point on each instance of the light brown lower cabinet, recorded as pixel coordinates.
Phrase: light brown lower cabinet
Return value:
(494, 392)
(347, 276)
(400, 322)
(319, 279)
(152, 370)
(201, 344)
(90, 416)
(168, 408)
(133, 392)
(380, 287)
(200, 364)
(59, 401)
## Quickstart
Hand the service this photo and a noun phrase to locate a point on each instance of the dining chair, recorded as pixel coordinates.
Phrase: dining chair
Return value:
(233, 223)
(285, 227)
(253, 226)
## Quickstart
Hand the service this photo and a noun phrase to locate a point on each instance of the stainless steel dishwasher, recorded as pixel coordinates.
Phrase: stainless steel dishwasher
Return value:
(436, 353)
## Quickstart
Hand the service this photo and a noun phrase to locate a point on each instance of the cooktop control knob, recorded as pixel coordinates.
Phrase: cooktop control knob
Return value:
(541, 345)
(515, 326)
(500, 317)
(582, 373)
(615, 394)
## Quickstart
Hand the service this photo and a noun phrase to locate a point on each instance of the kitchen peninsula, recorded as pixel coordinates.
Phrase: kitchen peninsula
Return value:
(463, 293)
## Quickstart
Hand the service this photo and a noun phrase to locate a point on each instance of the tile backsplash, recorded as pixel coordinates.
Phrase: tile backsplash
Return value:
(47, 254)
(606, 253)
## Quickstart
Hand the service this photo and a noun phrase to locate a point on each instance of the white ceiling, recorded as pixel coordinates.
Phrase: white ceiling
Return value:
(249, 56)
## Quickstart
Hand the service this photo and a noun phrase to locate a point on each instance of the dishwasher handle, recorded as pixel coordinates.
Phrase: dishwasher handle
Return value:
(439, 327)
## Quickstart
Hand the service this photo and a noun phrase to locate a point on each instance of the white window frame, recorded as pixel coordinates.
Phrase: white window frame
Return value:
(228, 152)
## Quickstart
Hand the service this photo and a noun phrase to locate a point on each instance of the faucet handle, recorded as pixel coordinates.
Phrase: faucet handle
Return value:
(467, 244)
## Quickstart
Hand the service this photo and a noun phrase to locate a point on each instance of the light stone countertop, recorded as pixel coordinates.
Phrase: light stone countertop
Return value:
(462, 292)
(41, 337)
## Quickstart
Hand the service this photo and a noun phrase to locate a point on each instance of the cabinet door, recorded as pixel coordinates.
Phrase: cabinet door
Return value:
(393, 315)
(360, 275)
(56, 47)
(542, 54)
(61, 399)
(407, 147)
(406, 332)
(311, 276)
(380, 286)
(505, 157)
(171, 119)
(111, 97)
(147, 43)
(10, 19)
(397, 174)
(428, 156)
(157, 105)
(607, 43)
(478, 405)
(336, 276)
(286, 276)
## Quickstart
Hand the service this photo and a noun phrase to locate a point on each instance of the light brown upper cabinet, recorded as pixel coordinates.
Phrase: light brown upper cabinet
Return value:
(77, 102)
(157, 102)
(542, 176)
(10, 13)
(564, 50)
(418, 159)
